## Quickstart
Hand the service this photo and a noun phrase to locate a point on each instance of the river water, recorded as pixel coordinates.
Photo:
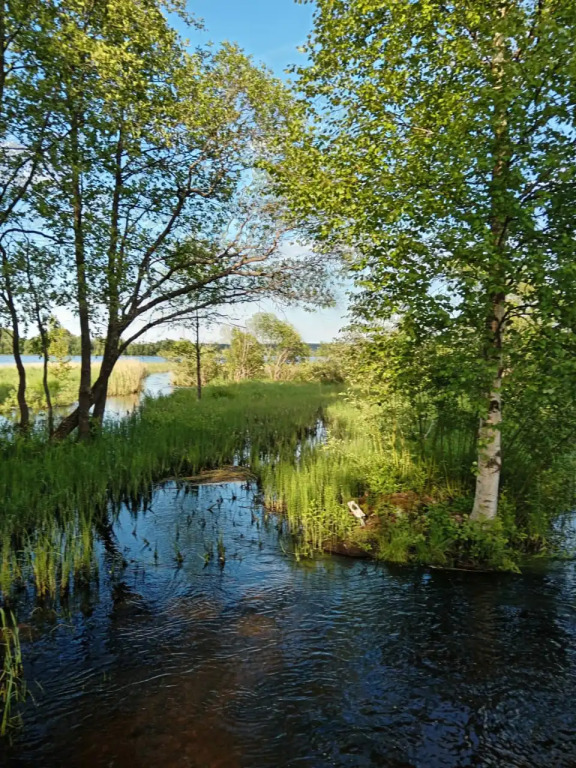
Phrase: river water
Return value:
(173, 658)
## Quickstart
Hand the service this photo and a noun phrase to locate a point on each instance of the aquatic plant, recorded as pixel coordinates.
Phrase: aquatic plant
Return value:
(12, 686)
(221, 552)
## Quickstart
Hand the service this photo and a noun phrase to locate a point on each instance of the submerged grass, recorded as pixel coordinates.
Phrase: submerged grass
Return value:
(12, 687)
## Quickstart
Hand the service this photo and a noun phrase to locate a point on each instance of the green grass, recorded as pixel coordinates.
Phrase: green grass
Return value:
(12, 687)
(54, 497)
(415, 496)
(52, 493)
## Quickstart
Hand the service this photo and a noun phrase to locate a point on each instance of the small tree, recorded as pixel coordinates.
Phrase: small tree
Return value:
(245, 358)
(282, 341)
(184, 354)
(52, 345)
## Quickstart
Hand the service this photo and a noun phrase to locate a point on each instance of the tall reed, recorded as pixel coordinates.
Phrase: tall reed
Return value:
(128, 378)
(12, 686)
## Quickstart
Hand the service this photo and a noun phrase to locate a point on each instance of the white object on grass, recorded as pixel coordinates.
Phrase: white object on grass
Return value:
(357, 512)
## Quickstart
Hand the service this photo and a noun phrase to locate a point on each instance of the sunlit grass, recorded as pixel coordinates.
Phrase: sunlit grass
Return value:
(51, 492)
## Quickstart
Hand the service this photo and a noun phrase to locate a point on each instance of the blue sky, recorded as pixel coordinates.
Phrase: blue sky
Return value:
(271, 31)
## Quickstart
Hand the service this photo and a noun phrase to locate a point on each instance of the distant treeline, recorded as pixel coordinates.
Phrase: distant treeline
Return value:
(29, 346)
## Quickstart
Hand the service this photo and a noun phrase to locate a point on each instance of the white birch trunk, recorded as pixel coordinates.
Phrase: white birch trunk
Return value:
(489, 435)
(489, 459)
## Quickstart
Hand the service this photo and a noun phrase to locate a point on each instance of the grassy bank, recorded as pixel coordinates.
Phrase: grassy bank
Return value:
(170, 436)
(417, 496)
(312, 451)
(127, 378)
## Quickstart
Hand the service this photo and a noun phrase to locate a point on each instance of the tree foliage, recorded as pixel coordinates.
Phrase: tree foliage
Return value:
(134, 193)
(442, 157)
(282, 341)
(245, 356)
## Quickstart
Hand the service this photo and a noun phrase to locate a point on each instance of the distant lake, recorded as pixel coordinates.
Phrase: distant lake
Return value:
(9, 359)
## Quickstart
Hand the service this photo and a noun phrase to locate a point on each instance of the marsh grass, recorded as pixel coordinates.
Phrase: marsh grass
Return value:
(12, 686)
(310, 449)
(416, 494)
(128, 378)
(54, 494)
(358, 460)
(58, 497)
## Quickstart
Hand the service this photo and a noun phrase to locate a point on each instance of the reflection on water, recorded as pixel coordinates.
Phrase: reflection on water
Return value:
(156, 384)
(171, 659)
(116, 407)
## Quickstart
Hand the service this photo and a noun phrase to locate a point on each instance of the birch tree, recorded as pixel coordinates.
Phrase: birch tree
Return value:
(442, 155)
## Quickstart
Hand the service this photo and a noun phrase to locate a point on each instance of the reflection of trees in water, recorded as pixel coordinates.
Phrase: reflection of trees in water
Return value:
(331, 657)
(488, 628)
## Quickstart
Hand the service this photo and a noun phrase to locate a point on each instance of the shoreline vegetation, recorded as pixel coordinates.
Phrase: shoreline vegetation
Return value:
(128, 378)
(46, 526)
(311, 448)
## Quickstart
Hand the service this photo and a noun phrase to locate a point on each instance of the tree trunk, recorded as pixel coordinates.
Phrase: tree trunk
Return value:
(24, 424)
(489, 460)
(100, 388)
(45, 342)
(45, 361)
(198, 359)
(3, 48)
(98, 395)
(46, 385)
(84, 391)
(489, 435)
(100, 406)
(110, 355)
(490, 439)
(8, 297)
(66, 426)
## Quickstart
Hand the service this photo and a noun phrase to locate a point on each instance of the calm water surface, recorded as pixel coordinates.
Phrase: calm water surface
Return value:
(156, 384)
(170, 659)
(9, 359)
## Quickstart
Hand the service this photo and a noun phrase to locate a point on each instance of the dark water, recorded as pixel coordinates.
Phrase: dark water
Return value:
(269, 662)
